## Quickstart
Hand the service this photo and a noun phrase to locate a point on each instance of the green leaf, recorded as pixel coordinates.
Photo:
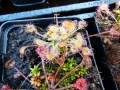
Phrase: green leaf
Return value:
(35, 70)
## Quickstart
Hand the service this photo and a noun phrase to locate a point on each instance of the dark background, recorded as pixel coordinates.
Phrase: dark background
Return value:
(6, 6)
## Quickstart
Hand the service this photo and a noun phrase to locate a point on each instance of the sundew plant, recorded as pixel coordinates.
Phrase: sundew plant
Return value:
(57, 45)
(110, 19)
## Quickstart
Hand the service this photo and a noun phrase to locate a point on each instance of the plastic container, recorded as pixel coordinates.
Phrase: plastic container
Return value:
(19, 3)
(1, 67)
(43, 22)
(100, 51)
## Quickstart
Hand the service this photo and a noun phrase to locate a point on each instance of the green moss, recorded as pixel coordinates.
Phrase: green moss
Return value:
(43, 86)
(82, 70)
(67, 67)
(51, 68)
(34, 70)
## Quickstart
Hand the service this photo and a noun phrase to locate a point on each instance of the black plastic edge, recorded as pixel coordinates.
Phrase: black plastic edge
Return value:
(95, 62)
(27, 4)
(47, 11)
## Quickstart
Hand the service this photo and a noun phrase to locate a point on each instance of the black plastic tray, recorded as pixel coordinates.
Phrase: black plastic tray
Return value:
(100, 51)
(65, 10)
(20, 3)
(9, 25)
